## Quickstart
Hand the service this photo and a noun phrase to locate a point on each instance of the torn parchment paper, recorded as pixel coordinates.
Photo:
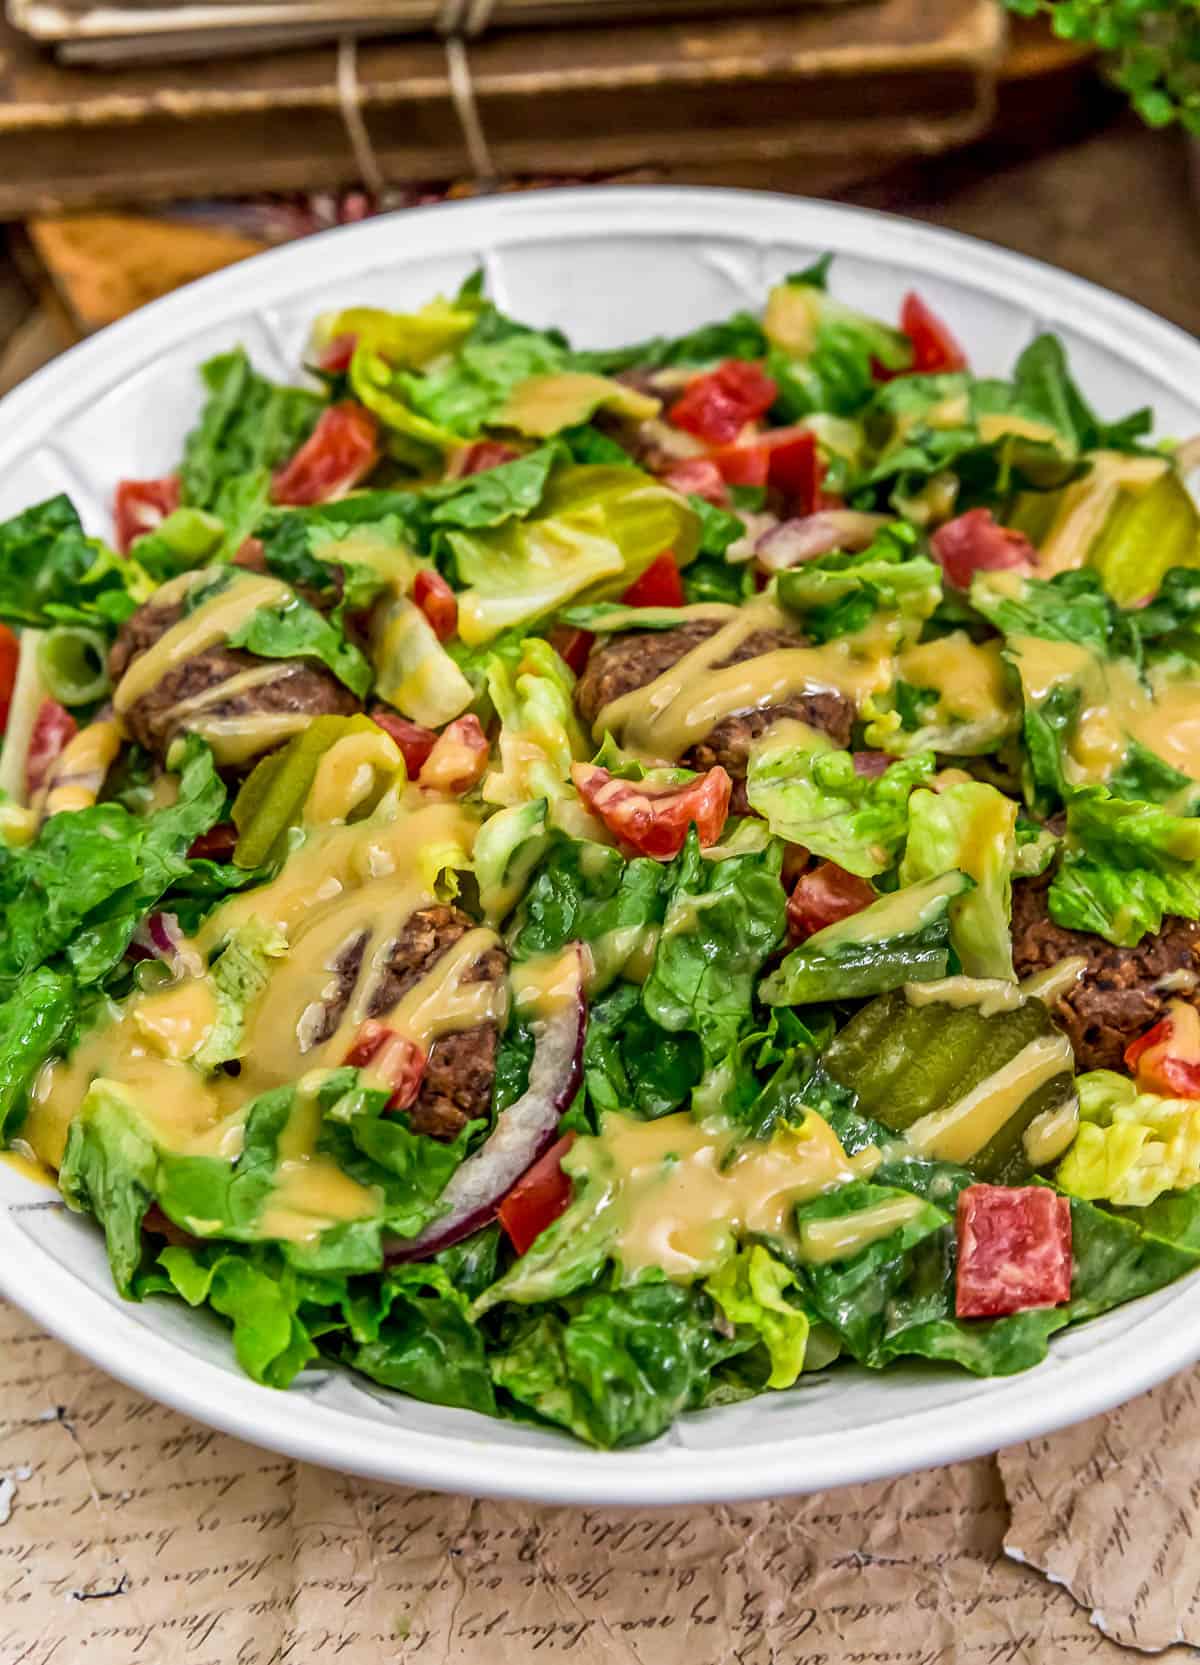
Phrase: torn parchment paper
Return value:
(130, 1536)
(1111, 1510)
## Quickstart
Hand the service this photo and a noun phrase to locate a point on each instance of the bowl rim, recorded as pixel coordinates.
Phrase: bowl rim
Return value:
(1059, 1392)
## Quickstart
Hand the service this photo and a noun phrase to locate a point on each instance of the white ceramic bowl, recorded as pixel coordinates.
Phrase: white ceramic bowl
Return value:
(609, 266)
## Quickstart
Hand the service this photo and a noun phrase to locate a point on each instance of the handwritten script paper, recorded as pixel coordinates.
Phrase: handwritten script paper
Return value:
(130, 1536)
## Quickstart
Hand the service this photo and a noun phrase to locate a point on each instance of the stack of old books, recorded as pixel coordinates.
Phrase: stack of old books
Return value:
(153, 100)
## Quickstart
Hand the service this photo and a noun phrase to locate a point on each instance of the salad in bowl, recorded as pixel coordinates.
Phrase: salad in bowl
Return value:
(583, 885)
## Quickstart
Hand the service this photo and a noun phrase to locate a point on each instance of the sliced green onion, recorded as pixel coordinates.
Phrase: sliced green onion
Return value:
(74, 664)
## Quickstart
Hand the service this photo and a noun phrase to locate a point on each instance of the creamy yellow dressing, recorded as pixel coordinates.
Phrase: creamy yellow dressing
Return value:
(1115, 708)
(960, 1130)
(1049, 1133)
(968, 677)
(848, 1234)
(683, 1193)
(81, 766)
(989, 995)
(547, 984)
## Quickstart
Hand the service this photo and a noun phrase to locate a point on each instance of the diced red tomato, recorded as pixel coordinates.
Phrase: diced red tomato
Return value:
(659, 586)
(458, 759)
(934, 348)
(974, 542)
(698, 477)
(743, 465)
(10, 652)
(437, 601)
(392, 1058)
(415, 742)
(484, 454)
(717, 406)
(217, 844)
(538, 1198)
(787, 460)
(1014, 1250)
(655, 823)
(53, 729)
(572, 646)
(335, 356)
(341, 450)
(1166, 1059)
(824, 895)
(140, 506)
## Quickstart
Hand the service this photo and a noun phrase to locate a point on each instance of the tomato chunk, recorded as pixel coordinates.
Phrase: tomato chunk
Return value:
(974, 542)
(140, 505)
(334, 358)
(437, 601)
(698, 477)
(458, 759)
(341, 450)
(538, 1198)
(415, 742)
(743, 465)
(934, 348)
(1166, 1059)
(482, 455)
(824, 895)
(10, 652)
(659, 586)
(786, 460)
(572, 646)
(53, 729)
(392, 1058)
(655, 822)
(1014, 1250)
(717, 406)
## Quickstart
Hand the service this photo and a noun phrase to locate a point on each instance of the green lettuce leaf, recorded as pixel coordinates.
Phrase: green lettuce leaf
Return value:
(50, 571)
(37, 1022)
(837, 595)
(540, 735)
(810, 793)
(292, 629)
(616, 1369)
(723, 919)
(752, 1289)
(421, 1340)
(248, 427)
(970, 827)
(631, 1063)
(585, 892)
(87, 880)
(596, 529)
(1124, 867)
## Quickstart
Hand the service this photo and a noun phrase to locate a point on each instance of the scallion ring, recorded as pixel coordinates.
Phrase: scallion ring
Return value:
(74, 664)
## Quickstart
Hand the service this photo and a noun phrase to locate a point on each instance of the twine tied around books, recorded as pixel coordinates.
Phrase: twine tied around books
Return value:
(466, 18)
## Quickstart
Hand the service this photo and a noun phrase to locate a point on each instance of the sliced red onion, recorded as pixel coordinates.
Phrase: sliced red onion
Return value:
(871, 764)
(796, 541)
(757, 527)
(521, 1134)
(161, 937)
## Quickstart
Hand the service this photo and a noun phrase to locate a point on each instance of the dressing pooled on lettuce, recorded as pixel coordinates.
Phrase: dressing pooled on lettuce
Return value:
(585, 885)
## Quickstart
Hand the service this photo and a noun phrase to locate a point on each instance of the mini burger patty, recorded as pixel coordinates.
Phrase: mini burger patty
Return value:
(635, 658)
(153, 722)
(461, 1067)
(1121, 992)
